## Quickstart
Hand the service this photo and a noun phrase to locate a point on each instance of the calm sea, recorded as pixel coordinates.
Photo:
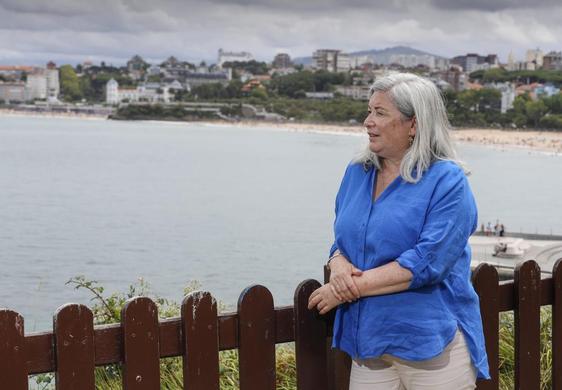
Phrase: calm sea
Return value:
(226, 206)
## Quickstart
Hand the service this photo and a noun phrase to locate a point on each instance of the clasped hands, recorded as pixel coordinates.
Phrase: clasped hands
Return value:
(341, 288)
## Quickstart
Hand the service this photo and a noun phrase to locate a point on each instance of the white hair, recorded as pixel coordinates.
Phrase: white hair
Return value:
(415, 96)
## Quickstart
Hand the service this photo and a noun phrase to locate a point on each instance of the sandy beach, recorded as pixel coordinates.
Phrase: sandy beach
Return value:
(544, 141)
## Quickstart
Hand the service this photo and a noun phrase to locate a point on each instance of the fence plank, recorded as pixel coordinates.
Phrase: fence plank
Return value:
(257, 339)
(141, 369)
(557, 326)
(527, 325)
(13, 370)
(486, 283)
(310, 340)
(201, 342)
(73, 326)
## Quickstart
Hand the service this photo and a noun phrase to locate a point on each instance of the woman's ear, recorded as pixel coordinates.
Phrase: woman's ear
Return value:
(413, 126)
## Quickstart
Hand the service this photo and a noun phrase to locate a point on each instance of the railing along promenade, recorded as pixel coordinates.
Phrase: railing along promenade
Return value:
(75, 346)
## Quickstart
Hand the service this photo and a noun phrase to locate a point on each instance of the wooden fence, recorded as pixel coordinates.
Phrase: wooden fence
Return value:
(76, 346)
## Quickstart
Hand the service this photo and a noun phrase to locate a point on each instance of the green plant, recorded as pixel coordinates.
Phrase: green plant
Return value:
(507, 350)
(107, 309)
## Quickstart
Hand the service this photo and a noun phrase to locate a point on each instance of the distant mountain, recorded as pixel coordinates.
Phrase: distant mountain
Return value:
(381, 56)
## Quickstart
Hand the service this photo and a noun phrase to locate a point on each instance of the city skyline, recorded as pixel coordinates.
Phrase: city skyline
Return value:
(66, 31)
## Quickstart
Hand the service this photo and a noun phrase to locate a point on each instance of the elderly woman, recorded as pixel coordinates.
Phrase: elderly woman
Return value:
(407, 313)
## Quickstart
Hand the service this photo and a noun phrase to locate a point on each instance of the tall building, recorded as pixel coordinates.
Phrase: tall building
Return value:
(53, 84)
(534, 59)
(331, 60)
(230, 56)
(552, 61)
(282, 61)
(472, 62)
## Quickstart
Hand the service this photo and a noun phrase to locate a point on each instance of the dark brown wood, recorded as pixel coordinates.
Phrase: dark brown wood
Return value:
(257, 339)
(74, 347)
(13, 370)
(310, 340)
(141, 368)
(339, 362)
(109, 340)
(527, 326)
(201, 342)
(485, 281)
(557, 326)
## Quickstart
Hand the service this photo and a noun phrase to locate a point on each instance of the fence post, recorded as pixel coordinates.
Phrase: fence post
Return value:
(141, 368)
(73, 327)
(13, 369)
(310, 340)
(557, 326)
(200, 341)
(256, 353)
(486, 283)
(527, 283)
(339, 362)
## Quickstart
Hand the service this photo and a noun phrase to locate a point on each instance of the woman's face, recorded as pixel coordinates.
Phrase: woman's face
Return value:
(388, 132)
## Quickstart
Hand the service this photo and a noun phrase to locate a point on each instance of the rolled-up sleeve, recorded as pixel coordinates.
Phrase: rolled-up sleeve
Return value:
(449, 222)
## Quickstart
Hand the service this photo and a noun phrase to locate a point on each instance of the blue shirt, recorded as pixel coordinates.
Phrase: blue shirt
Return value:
(425, 227)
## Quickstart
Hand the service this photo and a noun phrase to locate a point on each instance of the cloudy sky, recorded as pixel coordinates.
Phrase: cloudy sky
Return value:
(71, 31)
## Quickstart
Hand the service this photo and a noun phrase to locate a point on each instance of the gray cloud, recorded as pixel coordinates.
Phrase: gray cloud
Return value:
(493, 5)
(34, 31)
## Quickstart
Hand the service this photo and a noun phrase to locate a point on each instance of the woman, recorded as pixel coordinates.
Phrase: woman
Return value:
(400, 264)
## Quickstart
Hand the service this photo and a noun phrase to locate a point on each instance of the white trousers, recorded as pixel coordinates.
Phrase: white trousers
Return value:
(451, 370)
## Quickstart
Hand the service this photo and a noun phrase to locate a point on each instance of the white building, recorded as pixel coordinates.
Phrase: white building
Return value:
(413, 60)
(13, 92)
(148, 92)
(508, 95)
(36, 85)
(112, 92)
(356, 92)
(43, 83)
(230, 56)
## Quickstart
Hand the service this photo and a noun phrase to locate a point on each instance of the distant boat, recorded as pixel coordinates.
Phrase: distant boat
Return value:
(511, 249)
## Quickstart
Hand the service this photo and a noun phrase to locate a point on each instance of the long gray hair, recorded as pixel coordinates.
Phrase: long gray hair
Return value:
(416, 96)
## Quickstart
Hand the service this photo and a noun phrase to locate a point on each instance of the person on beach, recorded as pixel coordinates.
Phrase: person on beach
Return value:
(407, 313)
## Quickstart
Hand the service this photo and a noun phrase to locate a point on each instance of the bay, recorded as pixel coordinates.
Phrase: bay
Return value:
(226, 206)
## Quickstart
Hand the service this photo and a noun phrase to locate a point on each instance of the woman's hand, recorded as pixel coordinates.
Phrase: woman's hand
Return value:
(341, 279)
(323, 299)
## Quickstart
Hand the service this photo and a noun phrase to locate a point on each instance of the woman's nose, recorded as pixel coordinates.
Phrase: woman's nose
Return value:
(369, 121)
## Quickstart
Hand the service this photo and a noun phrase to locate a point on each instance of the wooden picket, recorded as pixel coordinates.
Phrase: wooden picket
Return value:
(13, 370)
(75, 347)
(201, 342)
(256, 329)
(141, 368)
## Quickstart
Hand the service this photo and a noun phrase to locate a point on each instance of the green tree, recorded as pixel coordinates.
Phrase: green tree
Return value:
(259, 93)
(535, 111)
(292, 85)
(554, 104)
(69, 84)
(209, 91)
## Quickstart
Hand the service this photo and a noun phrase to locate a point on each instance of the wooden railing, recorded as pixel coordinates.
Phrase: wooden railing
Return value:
(76, 346)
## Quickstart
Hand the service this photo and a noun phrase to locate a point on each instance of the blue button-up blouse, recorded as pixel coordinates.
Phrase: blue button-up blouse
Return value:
(425, 227)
